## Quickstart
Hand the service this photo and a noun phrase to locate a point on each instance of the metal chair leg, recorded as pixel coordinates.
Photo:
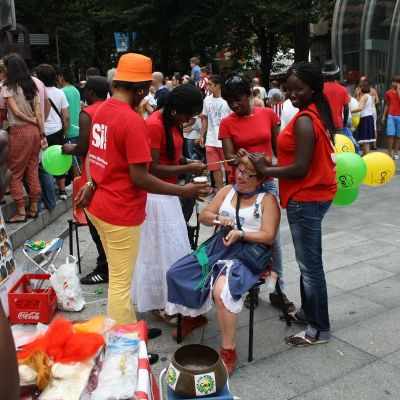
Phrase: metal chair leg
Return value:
(251, 322)
(77, 247)
(282, 301)
(179, 329)
(71, 243)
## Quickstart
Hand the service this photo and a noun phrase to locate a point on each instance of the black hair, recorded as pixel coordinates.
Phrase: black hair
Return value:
(99, 85)
(311, 75)
(66, 72)
(18, 74)
(92, 71)
(184, 99)
(131, 86)
(236, 86)
(47, 74)
(215, 79)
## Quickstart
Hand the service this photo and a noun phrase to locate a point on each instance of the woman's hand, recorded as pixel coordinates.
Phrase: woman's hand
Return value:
(84, 196)
(232, 237)
(242, 152)
(33, 120)
(68, 148)
(195, 191)
(43, 143)
(226, 221)
(259, 161)
(196, 167)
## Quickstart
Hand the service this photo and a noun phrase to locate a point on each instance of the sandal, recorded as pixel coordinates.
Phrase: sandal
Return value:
(32, 214)
(163, 316)
(301, 339)
(247, 300)
(276, 302)
(294, 317)
(17, 221)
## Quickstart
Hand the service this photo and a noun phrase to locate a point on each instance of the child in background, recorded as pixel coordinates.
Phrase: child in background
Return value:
(191, 133)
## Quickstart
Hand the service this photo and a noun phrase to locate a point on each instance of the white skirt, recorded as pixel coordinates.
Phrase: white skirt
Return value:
(163, 241)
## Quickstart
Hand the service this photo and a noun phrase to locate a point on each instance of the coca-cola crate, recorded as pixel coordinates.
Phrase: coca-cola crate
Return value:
(32, 301)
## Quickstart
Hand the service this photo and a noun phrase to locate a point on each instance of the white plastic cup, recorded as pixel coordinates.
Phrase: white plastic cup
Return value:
(200, 179)
(270, 280)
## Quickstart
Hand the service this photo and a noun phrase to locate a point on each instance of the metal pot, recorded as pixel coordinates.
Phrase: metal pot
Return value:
(195, 371)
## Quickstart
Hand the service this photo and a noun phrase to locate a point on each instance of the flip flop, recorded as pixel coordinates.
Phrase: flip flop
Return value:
(17, 221)
(301, 339)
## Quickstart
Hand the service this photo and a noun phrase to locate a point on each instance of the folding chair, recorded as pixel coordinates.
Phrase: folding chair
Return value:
(79, 220)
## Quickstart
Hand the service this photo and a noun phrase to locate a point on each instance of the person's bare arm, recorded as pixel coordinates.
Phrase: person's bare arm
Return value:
(5, 173)
(148, 108)
(210, 212)
(65, 120)
(9, 378)
(361, 104)
(229, 149)
(39, 117)
(203, 130)
(12, 105)
(274, 137)
(385, 112)
(345, 114)
(82, 147)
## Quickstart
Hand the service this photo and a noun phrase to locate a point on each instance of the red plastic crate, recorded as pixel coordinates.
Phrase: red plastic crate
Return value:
(30, 306)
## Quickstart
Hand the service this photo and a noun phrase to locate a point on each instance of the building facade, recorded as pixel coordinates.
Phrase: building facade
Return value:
(366, 39)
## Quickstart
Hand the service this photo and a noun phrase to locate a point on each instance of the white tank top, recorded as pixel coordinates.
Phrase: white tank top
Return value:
(367, 110)
(250, 217)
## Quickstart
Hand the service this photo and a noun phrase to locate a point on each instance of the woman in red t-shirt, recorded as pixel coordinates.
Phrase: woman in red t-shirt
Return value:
(254, 129)
(307, 185)
(164, 224)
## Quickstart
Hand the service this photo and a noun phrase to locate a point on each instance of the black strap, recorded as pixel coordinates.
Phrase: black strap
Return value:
(238, 224)
(55, 109)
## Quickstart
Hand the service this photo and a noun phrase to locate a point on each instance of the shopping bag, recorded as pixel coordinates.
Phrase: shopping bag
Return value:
(66, 285)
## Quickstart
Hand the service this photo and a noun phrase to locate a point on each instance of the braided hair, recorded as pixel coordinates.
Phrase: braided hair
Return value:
(184, 99)
(311, 75)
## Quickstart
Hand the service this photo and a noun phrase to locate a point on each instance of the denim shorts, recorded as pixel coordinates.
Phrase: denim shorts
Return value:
(393, 125)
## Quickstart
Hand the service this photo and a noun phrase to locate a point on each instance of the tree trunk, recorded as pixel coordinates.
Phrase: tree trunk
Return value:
(302, 41)
(268, 49)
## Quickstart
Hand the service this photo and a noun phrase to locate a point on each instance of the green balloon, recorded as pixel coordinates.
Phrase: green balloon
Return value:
(345, 197)
(54, 162)
(350, 170)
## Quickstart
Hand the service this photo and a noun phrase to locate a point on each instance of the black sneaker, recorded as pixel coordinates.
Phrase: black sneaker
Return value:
(63, 195)
(94, 278)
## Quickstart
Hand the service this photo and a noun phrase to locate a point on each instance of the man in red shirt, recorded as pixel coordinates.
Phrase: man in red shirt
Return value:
(392, 111)
(337, 95)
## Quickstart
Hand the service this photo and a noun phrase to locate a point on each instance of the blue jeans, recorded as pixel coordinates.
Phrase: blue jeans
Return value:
(305, 220)
(48, 192)
(277, 254)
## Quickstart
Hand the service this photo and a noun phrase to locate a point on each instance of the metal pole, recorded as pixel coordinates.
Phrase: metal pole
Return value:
(57, 50)
(13, 17)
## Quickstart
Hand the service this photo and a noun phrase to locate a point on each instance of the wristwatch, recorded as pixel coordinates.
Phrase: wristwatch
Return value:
(91, 184)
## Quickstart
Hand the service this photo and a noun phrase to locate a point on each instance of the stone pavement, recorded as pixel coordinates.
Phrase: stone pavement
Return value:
(361, 361)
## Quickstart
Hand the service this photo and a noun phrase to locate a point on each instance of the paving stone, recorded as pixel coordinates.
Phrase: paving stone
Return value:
(389, 262)
(393, 359)
(370, 249)
(378, 335)
(356, 276)
(376, 381)
(385, 292)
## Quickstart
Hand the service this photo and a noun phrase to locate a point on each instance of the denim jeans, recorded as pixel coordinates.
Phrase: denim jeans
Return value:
(305, 220)
(48, 192)
(277, 254)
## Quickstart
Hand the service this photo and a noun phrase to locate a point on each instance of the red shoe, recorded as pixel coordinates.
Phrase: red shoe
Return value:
(190, 324)
(229, 357)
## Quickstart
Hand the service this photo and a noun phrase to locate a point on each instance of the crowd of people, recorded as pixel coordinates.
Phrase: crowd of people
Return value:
(136, 136)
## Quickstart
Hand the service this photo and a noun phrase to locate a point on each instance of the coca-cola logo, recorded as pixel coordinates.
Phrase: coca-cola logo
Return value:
(28, 315)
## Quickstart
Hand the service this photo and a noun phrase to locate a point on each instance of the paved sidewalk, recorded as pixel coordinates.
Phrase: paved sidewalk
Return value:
(362, 360)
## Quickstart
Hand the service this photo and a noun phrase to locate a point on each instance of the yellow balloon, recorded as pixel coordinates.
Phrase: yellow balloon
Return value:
(380, 169)
(343, 144)
(355, 120)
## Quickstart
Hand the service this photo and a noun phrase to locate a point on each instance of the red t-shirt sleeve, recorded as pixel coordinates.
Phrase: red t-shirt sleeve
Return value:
(387, 98)
(137, 147)
(224, 131)
(156, 135)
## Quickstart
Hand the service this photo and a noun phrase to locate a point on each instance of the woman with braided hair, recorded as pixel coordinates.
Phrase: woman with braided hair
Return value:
(164, 238)
(307, 185)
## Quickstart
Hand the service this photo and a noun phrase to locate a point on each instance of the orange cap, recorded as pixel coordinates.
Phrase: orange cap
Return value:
(133, 67)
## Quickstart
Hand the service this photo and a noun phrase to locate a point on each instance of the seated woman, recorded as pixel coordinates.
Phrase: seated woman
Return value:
(259, 217)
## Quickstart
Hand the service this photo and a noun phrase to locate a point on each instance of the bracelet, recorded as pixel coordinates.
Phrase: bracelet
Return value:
(241, 235)
(91, 184)
(216, 217)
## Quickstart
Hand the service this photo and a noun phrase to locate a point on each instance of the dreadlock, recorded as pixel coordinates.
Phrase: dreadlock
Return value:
(311, 75)
(184, 99)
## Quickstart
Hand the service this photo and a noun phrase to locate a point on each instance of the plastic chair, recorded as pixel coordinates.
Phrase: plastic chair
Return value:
(79, 220)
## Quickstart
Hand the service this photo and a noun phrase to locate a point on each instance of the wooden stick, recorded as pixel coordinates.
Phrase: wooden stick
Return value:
(220, 162)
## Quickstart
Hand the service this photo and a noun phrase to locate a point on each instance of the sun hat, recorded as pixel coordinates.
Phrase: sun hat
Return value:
(133, 67)
(330, 68)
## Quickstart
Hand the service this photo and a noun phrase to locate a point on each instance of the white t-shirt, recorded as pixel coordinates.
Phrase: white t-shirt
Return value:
(53, 123)
(215, 108)
(263, 92)
(195, 132)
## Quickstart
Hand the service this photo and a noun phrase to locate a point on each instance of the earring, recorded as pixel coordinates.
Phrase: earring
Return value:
(141, 91)
(173, 112)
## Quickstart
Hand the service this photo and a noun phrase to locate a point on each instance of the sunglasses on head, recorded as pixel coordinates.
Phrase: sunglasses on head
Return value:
(234, 79)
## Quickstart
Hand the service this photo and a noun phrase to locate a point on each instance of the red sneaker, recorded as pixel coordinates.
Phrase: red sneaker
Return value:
(229, 357)
(190, 324)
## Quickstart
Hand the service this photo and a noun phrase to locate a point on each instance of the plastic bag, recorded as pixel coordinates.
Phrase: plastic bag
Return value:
(66, 285)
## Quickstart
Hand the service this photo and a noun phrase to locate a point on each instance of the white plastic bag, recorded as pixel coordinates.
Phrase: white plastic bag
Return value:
(66, 285)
